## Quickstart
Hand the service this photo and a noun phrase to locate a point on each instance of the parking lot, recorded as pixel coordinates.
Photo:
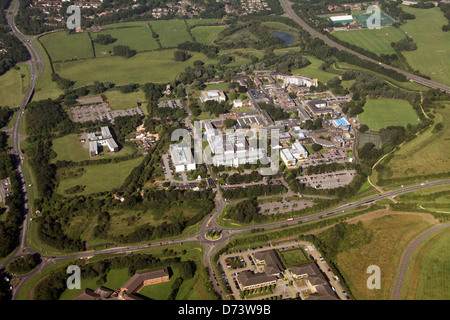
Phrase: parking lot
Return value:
(328, 180)
(283, 206)
(100, 112)
(330, 155)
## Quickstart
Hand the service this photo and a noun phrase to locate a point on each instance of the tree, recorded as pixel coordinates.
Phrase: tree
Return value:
(180, 55)
(229, 123)
(316, 147)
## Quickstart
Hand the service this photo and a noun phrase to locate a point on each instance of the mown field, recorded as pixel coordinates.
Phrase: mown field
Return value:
(432, 56)
(381, 113)
(62, 46)
(98, 178)
(119, 100)
(377, 41)
(391, 233)
(313, 70)
(13, 85)
(151, 66)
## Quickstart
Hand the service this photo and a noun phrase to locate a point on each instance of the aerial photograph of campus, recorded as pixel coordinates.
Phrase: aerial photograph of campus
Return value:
(229, 156)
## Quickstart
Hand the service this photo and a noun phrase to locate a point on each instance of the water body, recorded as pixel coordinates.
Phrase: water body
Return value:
(285, 36)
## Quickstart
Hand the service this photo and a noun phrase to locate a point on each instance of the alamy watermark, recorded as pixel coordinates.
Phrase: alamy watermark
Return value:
(74, 21)
(374, 280)
(74, 281)
(374, 20)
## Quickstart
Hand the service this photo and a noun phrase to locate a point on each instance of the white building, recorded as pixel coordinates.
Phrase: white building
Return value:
(105, 139)
(292, 155)
(213, 95)
(299, 81)
(182, 158)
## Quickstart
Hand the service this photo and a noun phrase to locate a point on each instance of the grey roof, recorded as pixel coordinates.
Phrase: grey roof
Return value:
(273, 264)
(248, 278)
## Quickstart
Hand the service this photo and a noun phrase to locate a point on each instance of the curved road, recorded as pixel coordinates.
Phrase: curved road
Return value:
(429, 83)
(404, 261)
(36, 66)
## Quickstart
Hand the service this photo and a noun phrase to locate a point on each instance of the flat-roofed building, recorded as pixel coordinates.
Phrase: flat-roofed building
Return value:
(287, 157)
(182, 158)
(213, 95)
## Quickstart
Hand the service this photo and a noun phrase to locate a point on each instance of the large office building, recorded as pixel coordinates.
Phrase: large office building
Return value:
(182, 158)
(300, 81)
(105, 139)
(213, 95)
(295, 153)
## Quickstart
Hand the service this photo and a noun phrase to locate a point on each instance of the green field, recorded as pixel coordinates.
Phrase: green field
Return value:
(429, 153)
(13, 85)
(206, 34)
(377, 41)
(119, 100)
(99, 178)
(151, 66)
(170, 32)
(432, 56)
(380, 113)
(62, 46)
(137, 38)
(202, 22)
(313, 70)
(69, 148)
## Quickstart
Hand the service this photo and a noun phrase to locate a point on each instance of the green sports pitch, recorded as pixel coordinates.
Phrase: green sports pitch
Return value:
(381, 113)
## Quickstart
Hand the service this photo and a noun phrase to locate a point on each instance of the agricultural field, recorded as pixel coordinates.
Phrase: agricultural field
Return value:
(170, 32)
(206, 34)
(377, 41)
(151, 66)
(62, 46)
(96, 178)
(381, 113)
(13, 85)
(432, 56)
(429, 153)
(138, 38)
(391, 233)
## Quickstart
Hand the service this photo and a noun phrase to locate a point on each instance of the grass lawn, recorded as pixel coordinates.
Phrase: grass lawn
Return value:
(170, 32)
(429, 153)
(313, 70)
(380, 113)
(432, 56)
(70, 148)
(137, 38)
(392, 232)
(13, 85)
(62, 46)
(99, 178)
(291, 258)
(151, 66)
(119, 100)
(206, 34)
(377, 41)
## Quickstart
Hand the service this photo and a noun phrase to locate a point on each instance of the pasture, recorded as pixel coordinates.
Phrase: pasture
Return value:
(203, 22)
(138, 38)
(62, 46)
(170, 32)
(432, 56)
(150, 66)
(381, 113)
(313, 70)
(377, 41)
(98, 178)
(206, 34)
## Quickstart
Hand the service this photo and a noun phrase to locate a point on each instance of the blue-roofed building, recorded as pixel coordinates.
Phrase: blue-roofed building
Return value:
(341, 123)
